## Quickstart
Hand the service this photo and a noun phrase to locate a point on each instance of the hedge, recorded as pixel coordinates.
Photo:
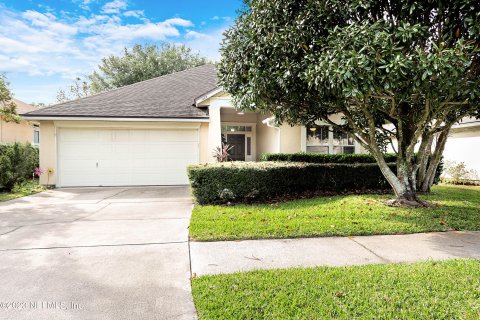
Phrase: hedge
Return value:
(324, 158)
(252, 181)
(337, 158)
(17, 163)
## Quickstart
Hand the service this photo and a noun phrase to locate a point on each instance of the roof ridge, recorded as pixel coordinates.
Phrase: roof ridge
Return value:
(128, 85)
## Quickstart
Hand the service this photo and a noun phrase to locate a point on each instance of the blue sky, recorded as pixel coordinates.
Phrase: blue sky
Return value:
(44, 44)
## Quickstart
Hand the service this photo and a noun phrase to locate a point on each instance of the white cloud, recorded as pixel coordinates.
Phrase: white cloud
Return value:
(42, 43)
(114, 6)
(47, 22)
(179, 22)
(196, 35)
(84, 4)
(225, 18)
(62, 45)
(134, 13)
(206, 43)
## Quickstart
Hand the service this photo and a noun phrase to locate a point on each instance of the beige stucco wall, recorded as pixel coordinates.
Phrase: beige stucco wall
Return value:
(290, 139)
(204, 152)
(48, 151)
(232, 116)
(11, 132)
(48, 145)
(268, 138)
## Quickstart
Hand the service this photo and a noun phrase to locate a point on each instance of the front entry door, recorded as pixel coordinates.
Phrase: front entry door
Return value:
(237, 142)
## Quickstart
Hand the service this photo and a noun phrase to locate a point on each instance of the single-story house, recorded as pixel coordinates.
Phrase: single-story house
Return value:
(148, 132)
(25, 131)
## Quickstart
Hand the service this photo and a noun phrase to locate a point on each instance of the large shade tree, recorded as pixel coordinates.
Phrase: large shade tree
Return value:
(143, 63)
(400, 72)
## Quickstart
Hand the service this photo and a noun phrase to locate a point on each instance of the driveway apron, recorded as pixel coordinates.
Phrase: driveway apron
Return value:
(96, 253)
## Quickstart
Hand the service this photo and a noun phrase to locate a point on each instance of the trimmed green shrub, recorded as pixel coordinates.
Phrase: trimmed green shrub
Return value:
(324, 158)
(17, 162)
(336, 158)
(249, 181)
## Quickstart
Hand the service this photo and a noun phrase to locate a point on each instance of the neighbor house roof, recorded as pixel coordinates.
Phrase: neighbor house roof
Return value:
(23, 107)
(168, 96)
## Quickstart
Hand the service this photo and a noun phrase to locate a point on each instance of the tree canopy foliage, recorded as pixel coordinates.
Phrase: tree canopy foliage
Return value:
(400, 72)
(8, 108)
(142, 63)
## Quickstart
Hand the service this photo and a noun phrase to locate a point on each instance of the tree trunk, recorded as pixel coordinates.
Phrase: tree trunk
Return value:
(435, 159)
(423, 158)
(403, 183)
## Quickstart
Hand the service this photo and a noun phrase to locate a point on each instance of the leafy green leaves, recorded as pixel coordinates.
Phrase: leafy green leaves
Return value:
(8, 108)
(143, 63)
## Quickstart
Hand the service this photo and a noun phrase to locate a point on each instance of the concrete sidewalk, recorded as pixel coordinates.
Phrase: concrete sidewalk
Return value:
(233, 256)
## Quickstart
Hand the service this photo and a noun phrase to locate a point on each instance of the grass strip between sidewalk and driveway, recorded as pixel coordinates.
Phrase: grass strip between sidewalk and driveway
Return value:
(22, 190)
(457, 208)
(426, 290)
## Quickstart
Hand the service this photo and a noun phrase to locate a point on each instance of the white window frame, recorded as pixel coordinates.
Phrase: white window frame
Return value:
(330, 140)
(36, 130)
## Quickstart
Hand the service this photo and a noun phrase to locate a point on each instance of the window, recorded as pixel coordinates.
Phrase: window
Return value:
(343, 143)
(236, 128)
(317, 139)
(323, 139)
(36, 135)
(249, 146)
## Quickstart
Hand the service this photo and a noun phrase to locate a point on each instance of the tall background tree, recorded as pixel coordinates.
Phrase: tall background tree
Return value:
(400, 72)
(79, 88)
(8, 108)
(143, 63)
(133, 65)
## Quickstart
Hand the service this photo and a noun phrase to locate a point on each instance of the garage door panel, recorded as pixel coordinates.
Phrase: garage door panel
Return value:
(75, 165)
(78, 135)
(116, 157)
(170, 136)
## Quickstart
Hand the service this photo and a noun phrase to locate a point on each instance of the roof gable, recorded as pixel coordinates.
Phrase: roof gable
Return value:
(168, 96)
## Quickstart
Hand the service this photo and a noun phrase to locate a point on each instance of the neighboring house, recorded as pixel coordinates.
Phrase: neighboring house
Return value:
(23, 132)
(463, 144)
(148, 132)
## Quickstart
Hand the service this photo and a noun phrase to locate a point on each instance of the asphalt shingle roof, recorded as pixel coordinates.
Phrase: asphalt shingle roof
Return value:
(168, 96)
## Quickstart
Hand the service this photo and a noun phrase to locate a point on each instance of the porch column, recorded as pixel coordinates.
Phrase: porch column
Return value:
(214, 129)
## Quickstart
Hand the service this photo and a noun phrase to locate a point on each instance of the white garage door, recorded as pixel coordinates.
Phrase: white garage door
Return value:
(119, 157)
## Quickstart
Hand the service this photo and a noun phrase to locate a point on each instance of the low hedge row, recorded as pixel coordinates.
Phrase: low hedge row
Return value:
(251, 181)
(337, 158)
(324, 158)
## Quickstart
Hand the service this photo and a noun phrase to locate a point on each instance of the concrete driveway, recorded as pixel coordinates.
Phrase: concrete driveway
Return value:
(96, 253)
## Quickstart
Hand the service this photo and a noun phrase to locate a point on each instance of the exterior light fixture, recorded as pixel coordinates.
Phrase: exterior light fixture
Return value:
(313, 129)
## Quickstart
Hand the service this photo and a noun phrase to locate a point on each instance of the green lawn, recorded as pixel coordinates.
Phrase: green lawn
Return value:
(25, 189)
(458, 208)
(427, 290)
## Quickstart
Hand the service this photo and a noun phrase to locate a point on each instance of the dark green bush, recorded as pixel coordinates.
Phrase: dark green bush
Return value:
(336, 158)
(17, 162)
(324, 158)
(247, 181)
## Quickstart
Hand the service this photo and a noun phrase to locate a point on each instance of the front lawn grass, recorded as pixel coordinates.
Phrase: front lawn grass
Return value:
(25, 189)
(458, 208)
(426, 290)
